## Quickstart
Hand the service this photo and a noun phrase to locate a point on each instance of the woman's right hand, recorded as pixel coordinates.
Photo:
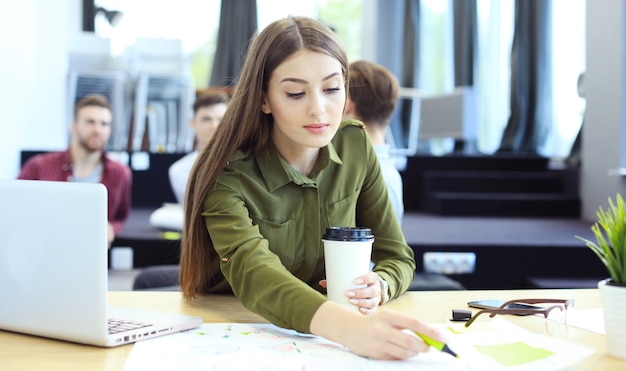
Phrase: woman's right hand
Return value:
(377, 336)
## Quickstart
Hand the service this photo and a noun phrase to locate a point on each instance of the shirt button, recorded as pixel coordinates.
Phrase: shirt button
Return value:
(225, 260)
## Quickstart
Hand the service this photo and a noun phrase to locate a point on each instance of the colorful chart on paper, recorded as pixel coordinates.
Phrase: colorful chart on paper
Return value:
(236, 346)
(230, 346)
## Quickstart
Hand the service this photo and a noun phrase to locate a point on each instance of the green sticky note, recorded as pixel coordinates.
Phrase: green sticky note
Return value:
(514, 354)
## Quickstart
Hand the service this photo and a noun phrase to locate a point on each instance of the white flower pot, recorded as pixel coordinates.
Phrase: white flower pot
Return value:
(614, 307)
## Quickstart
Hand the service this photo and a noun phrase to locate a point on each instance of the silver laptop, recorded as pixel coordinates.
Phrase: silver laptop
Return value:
(53, 268)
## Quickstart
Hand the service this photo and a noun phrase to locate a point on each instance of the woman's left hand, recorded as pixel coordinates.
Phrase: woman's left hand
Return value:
(367, 298)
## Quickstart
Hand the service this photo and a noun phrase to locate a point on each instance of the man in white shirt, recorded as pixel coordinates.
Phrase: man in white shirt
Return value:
(208, 111)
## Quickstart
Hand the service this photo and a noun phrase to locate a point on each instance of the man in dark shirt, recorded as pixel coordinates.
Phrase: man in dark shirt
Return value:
(86, 161)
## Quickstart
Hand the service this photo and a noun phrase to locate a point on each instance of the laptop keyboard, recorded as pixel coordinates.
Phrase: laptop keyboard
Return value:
(119, 325)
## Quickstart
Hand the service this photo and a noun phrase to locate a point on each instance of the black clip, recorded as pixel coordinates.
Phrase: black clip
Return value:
(461, 315)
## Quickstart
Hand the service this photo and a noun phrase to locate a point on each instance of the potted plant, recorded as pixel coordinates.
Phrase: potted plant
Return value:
(610, 246)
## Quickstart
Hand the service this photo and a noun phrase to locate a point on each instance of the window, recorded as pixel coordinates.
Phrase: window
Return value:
(493, 77)
(196, 22)
(495, 36)
(568, 44)
(436, 47)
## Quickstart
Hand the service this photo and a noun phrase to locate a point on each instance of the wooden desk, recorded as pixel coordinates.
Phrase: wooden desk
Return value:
(20, 352)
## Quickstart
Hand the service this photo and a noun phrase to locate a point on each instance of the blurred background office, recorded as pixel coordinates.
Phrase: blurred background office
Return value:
(581, 36)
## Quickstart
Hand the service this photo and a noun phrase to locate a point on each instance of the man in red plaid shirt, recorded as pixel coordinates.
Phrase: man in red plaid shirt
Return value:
(86, 161)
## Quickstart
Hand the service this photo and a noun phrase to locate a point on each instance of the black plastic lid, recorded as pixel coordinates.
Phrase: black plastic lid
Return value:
(348, 234)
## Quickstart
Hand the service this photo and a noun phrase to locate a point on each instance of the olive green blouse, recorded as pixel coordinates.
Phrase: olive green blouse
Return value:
(266, 221)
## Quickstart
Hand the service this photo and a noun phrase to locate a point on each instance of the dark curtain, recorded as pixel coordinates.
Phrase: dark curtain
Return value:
(398, 49)
(531, 75)
(574, 157)
(465, 41)
(89, 11)
(238, 24)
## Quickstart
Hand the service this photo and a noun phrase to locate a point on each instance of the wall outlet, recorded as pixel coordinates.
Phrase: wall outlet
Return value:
(449, 262)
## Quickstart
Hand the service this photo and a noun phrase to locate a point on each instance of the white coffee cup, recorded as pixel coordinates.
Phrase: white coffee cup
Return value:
(347, 255)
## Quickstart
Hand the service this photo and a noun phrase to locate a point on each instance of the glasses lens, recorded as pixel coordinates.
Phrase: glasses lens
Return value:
(556, 321)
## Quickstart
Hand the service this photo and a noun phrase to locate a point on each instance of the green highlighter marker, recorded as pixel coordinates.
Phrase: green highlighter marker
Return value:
(443, 347)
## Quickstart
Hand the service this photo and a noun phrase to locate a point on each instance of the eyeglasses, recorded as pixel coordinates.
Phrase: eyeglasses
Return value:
(555, 313)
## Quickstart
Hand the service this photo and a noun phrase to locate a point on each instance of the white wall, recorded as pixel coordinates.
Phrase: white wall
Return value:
(605, 117)
(33, 74)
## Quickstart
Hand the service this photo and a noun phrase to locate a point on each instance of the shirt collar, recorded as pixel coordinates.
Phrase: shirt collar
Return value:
(67, 157)
(277, 173)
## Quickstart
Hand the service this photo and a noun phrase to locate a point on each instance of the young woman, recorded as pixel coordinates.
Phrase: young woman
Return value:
(280, 168)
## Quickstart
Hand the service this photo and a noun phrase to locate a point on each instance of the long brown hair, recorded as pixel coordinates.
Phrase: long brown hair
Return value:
(244, 127)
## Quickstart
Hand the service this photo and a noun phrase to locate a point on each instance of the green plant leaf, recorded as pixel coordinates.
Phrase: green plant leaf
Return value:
(610, 239)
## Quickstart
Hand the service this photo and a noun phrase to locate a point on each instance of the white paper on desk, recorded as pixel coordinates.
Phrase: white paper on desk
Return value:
(500, 345)
(587, 319)
(230, 346)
